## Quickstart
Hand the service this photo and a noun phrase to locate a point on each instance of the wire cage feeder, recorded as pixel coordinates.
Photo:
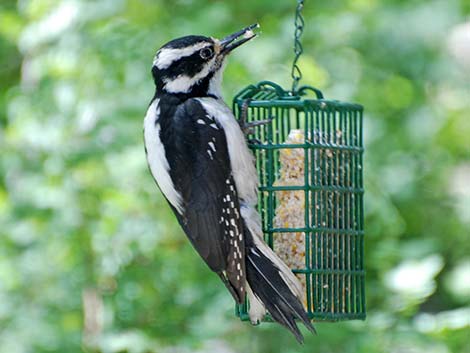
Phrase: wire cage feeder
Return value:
(309, 162)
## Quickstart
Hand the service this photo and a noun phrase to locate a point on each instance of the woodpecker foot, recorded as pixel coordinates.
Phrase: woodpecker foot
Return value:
(248, 128)
(243, 116)
(254, 141)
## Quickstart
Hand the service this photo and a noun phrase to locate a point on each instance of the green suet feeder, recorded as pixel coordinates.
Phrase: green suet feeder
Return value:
(309, 160)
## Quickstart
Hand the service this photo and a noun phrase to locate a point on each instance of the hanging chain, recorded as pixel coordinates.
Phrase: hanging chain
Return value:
(296, 74)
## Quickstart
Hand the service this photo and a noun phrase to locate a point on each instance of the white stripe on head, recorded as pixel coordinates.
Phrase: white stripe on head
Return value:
(183, 83)
(166, 56)
(156, 157)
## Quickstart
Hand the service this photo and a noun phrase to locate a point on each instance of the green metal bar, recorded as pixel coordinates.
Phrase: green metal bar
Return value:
(311, 188)
(317, 316)
(337, 316)
(305, 145)
(341, 226)
(311, 219)
(356, 216)
(330, 210)
(351, 214)
(347, 248)
(325, 183)
(279, 139)
(317, 211)
(355, 209)
(337, 286)
(324, 210)
(281, 124)
(306, 210)
(289, 103)
(275, 123)
(313, 229)
(361, 207)
(297, 120)
(288, 120)
(330, 271)
(270, 183)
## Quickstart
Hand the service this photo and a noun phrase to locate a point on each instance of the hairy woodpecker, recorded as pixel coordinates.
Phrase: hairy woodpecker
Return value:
(198, 155)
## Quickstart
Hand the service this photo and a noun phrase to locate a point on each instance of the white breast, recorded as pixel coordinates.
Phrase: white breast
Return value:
(241, 159)
(156, 157)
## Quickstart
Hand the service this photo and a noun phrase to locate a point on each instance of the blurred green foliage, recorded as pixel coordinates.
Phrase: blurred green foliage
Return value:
(90, 256)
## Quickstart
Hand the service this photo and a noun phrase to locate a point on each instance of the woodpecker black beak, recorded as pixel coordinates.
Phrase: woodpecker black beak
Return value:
(238, 38)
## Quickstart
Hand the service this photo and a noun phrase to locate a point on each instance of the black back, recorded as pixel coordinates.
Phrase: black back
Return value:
(203, 177)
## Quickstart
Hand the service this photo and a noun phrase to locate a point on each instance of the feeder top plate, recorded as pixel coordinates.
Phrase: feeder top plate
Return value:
(267, 93)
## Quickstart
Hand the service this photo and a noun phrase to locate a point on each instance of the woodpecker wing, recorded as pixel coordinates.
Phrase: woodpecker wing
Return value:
(195, 148)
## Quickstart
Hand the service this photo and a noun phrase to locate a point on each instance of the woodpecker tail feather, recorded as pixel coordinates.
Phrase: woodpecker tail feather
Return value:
(270, 289)
(271, 284)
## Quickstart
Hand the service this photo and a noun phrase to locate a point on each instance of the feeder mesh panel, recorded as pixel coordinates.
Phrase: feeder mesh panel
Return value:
(312, 213)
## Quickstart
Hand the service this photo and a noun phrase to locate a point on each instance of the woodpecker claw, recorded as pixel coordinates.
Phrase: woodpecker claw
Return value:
(254, 142)
(243, 115)
(248, 128)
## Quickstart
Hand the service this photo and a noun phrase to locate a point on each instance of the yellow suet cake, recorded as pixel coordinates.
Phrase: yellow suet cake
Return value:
(290, 212)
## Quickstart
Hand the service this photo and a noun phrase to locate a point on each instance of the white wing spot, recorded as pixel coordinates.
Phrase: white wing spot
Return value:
(210, 154)
(200, 121)
(212, 146)
(241, 158)
(214, 126)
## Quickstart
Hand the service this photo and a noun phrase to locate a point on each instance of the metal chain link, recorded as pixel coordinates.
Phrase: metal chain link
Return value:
(296, 74)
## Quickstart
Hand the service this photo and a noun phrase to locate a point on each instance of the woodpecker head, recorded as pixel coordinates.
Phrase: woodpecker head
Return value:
(194, 64)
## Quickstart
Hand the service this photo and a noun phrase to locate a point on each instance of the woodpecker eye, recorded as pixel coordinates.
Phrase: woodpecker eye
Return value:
(206, 53)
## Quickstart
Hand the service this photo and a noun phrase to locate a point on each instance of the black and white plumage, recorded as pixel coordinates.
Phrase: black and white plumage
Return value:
(199, 158)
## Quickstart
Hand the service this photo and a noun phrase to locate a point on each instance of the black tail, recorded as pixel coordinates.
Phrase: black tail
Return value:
(266, 280)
